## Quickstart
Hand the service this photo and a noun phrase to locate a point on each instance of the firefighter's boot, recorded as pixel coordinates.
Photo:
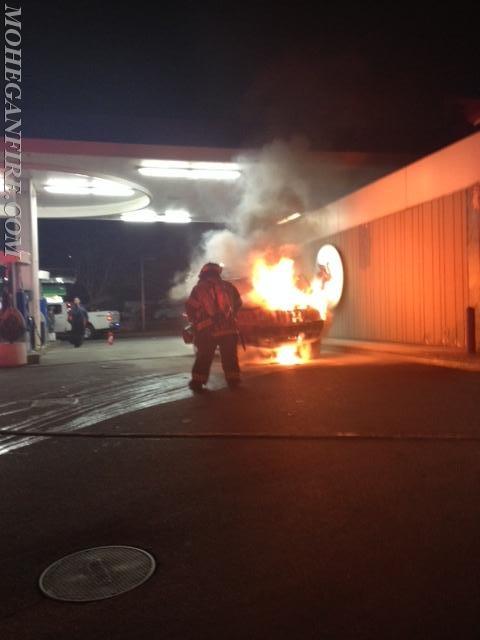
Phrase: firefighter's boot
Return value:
(195, 386)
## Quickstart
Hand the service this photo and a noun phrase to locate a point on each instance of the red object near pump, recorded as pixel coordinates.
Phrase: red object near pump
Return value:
(110, 338)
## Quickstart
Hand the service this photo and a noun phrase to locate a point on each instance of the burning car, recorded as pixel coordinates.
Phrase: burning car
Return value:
(283, 312)
(268, 328)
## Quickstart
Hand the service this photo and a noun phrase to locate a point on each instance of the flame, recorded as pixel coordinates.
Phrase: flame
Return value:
(293, 353)
(287, 355)
(276, 287)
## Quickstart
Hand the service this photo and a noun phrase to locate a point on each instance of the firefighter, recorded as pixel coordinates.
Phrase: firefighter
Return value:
(212, 309)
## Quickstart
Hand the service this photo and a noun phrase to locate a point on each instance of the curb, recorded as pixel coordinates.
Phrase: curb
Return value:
(465, 363)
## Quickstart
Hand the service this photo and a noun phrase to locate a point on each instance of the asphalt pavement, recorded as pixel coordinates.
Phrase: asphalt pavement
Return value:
(337, 499)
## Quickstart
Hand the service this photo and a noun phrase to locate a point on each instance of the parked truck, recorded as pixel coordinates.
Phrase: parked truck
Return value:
(98, 321)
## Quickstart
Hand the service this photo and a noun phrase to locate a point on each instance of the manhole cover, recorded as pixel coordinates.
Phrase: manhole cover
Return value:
(97, 573)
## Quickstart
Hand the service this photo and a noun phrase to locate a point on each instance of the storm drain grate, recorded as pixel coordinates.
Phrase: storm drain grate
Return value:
(97, 573)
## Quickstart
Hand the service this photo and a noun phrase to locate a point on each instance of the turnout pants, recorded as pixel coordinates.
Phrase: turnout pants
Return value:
(206, 345)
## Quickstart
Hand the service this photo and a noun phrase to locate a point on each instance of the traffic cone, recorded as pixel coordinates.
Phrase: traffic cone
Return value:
(110, 338)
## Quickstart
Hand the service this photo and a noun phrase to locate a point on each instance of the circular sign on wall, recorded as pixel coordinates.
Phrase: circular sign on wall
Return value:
(330, 264)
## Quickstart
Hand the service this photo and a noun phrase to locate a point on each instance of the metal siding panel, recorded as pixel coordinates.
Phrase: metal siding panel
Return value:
(411, 300)
(399, 269)
(386, 287)
(358, 318)
(464, 208)
(365, 278)
(441, 269)
(461, 219)
(421, 269)
(348, 287)
(362, 285)
(406, 276)
(386, 292)
(338, 324)
(436, 281)
(417, 271)
(386, 282)
(397, 275)
(409, 288)
(375, 266)
(459, 251)
(428, 271)
(450, 275)
(355, 317)
(392, 266)
(348, 303)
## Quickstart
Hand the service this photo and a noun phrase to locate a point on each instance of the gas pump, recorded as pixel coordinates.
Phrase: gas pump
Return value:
(13, 346)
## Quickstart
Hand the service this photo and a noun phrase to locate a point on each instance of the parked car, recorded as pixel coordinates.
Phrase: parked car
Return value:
(99, 322)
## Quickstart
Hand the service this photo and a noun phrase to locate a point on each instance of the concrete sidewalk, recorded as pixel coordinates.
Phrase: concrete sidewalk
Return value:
(425, 354)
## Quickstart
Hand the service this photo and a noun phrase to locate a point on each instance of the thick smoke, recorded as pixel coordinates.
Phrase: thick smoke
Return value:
(273, 187)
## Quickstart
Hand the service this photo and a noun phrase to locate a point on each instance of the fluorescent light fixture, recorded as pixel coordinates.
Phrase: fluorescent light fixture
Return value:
(216, 166)
(70, 190)
(164, 172)
(223, 171)
(215, 174)
(59, 280)
(289, 218)
(109, 188)
(62, 182)
(85, 186)
(176, 216)
(166, 164)
(143, 215)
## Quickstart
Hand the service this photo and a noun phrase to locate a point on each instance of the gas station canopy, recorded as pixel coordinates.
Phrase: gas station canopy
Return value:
(152, 183)
(131, 182)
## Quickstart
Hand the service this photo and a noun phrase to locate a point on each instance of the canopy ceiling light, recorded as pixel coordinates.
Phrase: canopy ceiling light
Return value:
(87, 186)
(223, 171)
(289, 218)
(143, 215)
(175, 216)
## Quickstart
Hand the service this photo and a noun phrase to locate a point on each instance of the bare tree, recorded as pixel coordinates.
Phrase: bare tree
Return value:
(95, 271)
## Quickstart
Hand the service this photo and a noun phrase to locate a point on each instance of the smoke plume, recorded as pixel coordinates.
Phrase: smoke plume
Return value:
(273, 186)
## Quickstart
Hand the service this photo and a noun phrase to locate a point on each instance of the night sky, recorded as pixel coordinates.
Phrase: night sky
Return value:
(388, 79)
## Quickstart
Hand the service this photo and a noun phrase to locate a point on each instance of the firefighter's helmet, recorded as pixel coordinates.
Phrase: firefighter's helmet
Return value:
(211, 267)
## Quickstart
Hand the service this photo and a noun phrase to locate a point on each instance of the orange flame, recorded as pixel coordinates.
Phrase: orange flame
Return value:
(276, 287)
(287, 355)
